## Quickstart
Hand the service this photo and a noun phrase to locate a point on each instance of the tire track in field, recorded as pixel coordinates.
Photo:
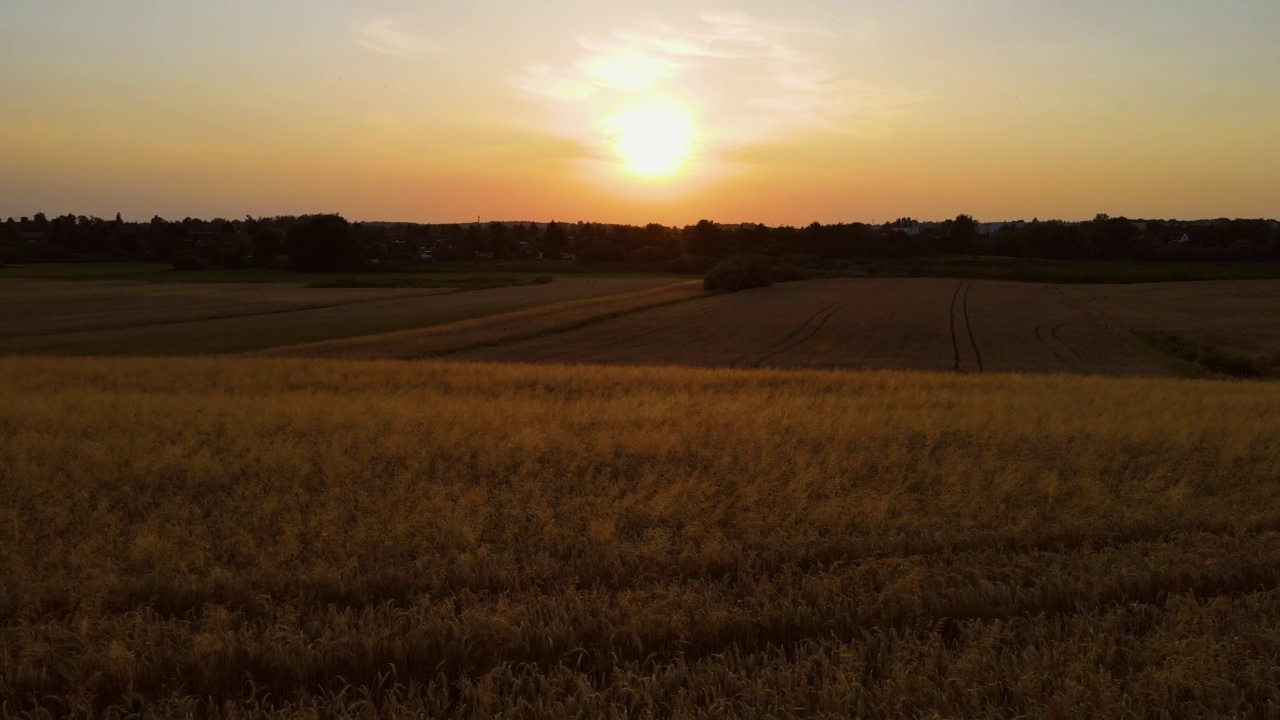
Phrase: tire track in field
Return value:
(1103, 322)
(1090, 314)
(565, 328)
(801, 334)
(793, 333)
(1054, 344)
(968, 326)
(955, 343)
(960, 303)
(649, 331)
(1053, 333)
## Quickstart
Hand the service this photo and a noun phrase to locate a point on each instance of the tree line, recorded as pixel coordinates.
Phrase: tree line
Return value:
(330, 242)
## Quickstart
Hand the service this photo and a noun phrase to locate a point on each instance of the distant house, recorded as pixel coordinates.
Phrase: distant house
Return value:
(1182, 240)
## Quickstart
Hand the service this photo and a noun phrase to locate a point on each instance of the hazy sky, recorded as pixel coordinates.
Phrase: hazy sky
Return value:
(669, 111)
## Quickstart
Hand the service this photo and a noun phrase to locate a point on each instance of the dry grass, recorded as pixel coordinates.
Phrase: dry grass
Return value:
(497, 329)
(82, 318)
(243, 538)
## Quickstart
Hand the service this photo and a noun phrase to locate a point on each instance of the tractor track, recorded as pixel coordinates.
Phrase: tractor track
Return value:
(960, 301)
(801, 334)
(968, 326)
(955, 342)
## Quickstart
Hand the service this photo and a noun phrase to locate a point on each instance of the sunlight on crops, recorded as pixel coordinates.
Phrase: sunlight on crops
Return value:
(241, 537)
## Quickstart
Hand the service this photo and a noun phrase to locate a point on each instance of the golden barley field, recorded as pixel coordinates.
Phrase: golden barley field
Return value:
(235, 537)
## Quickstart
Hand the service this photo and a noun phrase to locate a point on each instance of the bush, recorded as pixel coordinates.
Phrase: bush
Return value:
(739, 272)
(186, 261)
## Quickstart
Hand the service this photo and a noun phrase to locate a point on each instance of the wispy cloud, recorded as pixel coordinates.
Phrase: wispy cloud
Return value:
(765, 77)
(382, 35)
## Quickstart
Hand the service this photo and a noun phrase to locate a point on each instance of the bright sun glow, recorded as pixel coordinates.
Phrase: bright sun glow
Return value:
(653, 140)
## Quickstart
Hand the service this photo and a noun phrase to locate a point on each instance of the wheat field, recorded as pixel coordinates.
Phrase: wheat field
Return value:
(240, 538)
(930, 324)
(132, 318)
(476, 333)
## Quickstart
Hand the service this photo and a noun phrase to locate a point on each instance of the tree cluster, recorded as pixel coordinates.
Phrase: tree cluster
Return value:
(329, 242)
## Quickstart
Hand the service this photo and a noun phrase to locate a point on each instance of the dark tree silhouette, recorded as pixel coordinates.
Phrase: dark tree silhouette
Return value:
(706, 239)
(963, 232)
(322, 242)
(267, 244)
(553, 240)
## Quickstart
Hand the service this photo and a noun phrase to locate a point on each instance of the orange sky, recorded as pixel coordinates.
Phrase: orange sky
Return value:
(670, 113)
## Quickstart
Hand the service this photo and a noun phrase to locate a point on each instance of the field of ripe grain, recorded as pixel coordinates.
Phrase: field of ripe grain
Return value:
(130, 318)
(925, 324)
(244, 537)
(1240, 316)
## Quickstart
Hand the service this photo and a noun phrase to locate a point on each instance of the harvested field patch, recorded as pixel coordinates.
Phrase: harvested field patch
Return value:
(249, 537)
(114, 317)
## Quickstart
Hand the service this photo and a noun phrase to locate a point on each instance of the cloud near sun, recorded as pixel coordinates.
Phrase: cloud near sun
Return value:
(382, 36)
(660, 101)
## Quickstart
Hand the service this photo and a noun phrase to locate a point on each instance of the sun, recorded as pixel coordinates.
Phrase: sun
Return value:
(654, 139)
